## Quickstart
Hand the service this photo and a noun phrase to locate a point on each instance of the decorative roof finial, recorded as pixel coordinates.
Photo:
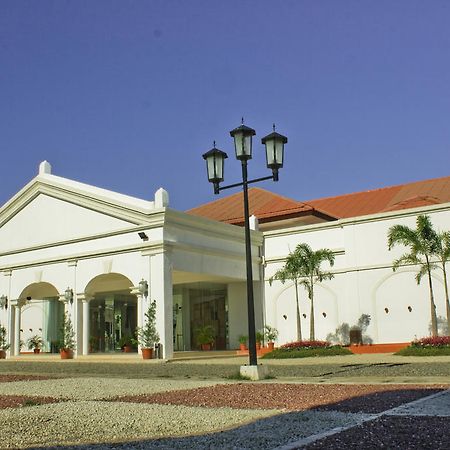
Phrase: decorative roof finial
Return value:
(242, 120)
(273, 127)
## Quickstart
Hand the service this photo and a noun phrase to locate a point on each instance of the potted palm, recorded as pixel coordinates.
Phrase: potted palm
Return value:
(259, 337)
(67, 341)
(243, 342)
(147, 336)
(3, 343)
(270, 333)
(126, 343)
(205, 336)
(35, 343)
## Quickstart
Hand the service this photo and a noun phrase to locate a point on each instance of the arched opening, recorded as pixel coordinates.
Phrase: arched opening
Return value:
(41, 315)
(112, 313)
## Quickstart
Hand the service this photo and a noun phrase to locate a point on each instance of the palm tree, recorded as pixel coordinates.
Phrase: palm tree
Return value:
(310, 262)
(291, 271)
(303, 268)
(422, 243)
(443, 255)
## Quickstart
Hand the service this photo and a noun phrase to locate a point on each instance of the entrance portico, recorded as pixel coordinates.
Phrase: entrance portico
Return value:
(101, 246)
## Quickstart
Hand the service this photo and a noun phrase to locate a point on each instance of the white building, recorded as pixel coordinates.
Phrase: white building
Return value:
(68, 246)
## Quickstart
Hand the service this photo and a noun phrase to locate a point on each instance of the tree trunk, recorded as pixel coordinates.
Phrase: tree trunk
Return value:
(312, 331)
(447, 301)
(434, 329)
(299, 322)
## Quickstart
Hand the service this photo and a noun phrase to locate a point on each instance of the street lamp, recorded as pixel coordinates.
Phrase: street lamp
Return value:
(215, 158)
(68, 295)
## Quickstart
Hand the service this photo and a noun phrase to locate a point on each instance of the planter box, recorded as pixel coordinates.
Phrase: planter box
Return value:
(378, 348)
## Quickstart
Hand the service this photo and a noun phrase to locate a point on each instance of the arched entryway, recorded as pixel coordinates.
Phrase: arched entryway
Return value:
(41, 314)
(112, 313)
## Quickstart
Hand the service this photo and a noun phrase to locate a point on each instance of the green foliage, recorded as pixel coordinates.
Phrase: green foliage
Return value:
(243, 339)
(205, 334)
(270, 333)
(302, 352)
(423, 244)
(259, 337)
(67, 334)
(147, 336)
(303, 267)
(424, 351)
(3, 342)
(35, 342)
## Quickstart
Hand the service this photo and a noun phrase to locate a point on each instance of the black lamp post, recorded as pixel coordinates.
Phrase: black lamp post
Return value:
(215, 158)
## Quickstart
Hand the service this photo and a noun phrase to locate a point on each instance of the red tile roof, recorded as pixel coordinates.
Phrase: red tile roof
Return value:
(265, 205)
(270, 207)
(403, 196)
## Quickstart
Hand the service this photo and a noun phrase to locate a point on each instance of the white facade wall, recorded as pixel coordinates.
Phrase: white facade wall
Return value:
(364, 282)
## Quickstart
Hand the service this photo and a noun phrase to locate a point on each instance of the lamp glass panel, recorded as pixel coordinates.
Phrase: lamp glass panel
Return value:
(219, 168)
(243, 145)
(274, 153)
(211, 167)
(279, 152)
(214, 165)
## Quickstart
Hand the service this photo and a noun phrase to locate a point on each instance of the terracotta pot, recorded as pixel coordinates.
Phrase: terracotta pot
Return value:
(127, 348)
(147, 353)
(2, 354)
(66, 353)
(258, 346)
(206, 347)
(36, 350)
(270, 345)
(242, 347)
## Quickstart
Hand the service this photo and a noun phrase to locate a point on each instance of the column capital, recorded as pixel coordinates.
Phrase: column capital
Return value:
(86, 298)
(136, 291)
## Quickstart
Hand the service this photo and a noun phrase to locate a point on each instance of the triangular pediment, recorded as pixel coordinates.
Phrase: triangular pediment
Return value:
(52, 209)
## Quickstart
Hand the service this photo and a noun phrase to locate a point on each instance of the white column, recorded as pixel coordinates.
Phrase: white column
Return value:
(162, 292)
(85, 325)
(140, 308)
(16, 345)
(10, 329)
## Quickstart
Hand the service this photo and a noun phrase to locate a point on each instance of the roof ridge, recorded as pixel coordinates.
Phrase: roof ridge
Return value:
(377, 189)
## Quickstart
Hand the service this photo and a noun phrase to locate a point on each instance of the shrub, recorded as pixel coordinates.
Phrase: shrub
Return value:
(305, 344)
(428, 346)
(305, 352)
(432, 341)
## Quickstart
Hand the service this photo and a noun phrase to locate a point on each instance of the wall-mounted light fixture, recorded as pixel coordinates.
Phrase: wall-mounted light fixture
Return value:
(143, 236)
(4, 302)
(68, 295)
(143, 288)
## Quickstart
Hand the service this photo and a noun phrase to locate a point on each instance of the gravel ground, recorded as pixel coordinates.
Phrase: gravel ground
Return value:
(351, 367)
(222, 416)
(339, 397)
(405, 433)
(95, 388)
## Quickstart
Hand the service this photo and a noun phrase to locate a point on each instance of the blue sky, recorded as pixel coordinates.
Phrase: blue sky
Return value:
(127, 95)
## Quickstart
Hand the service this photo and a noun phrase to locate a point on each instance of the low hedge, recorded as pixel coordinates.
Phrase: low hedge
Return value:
(418, 351)
(428, 346)
(306, 352)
